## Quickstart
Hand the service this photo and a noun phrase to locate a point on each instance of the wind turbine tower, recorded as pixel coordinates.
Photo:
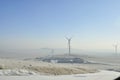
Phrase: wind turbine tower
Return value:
(116, 48)
(69, 45)
(52, 52)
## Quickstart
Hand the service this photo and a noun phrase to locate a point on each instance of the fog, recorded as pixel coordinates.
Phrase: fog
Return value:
(29, 53)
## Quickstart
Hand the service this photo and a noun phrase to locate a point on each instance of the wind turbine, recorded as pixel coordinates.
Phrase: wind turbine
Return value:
(116, 48)
(69, 45)
(52, 52)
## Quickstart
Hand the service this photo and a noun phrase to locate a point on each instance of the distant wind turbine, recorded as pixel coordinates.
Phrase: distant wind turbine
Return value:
(116, 48)
(52, 52)
(69, 45)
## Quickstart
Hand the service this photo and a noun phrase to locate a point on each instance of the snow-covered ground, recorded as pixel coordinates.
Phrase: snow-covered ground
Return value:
(16, 72)
(102, 75)
(12, 69)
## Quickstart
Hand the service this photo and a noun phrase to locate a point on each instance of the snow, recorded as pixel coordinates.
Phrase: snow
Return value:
(21, 70)
(16, 72)
(102, 75)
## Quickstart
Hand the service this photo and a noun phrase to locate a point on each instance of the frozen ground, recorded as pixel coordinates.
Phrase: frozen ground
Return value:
(16, 72)
(44, 68)
(12, 69)
(102, 75)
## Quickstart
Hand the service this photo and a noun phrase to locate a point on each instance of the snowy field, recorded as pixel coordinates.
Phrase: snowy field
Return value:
(102, 75)
(13, 69)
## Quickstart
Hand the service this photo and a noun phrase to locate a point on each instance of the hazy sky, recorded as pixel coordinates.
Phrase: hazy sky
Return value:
(34, 24)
